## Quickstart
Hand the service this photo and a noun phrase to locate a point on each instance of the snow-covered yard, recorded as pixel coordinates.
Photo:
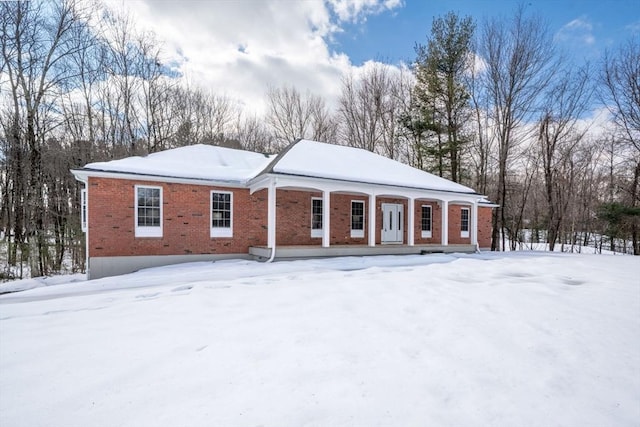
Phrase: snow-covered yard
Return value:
(511, 339)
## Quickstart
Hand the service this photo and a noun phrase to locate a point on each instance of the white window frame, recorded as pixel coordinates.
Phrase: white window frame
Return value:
(220, 231)
(357, 234)
(465, 233)
(84, 211)
(426, 234)
(147, 230)
(317, 232)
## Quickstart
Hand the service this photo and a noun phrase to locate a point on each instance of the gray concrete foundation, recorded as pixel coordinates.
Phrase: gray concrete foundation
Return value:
(116, 265)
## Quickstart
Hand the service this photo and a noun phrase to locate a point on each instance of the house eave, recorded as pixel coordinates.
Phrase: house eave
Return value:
(84, 174)
(488, 205)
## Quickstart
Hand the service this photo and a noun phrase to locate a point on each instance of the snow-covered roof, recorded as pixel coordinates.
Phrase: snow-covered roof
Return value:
(302, 158)
(321, 160)
(205, 162)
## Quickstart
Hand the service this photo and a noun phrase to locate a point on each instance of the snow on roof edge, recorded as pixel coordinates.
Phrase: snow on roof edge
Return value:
(230, 166)
(335, 155)
(194, 162)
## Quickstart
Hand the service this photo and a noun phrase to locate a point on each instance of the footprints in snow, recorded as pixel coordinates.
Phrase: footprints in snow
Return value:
(182, 289)
(523, 277)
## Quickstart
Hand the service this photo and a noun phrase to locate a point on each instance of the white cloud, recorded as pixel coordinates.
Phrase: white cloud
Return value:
(633, 28)
(239, 48)
(355, 10)
(577, 32)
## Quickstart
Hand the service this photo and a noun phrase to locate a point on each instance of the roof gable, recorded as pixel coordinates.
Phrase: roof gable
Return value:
(322, 160)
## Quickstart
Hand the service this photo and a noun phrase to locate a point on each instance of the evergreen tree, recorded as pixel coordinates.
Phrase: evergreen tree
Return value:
(442, 96)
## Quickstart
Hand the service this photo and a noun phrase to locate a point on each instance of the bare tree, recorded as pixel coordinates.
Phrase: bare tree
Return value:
(252, 134)
(200, 117)
(558, 139)
(483, 144)
(122, 66)
(520, 184)
(293, 115)
(156, 118)
(620, 92)
(36, 43)
(520, 60)
(369, 109)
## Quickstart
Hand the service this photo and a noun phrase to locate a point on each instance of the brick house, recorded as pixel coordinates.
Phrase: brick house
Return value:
(314, 199)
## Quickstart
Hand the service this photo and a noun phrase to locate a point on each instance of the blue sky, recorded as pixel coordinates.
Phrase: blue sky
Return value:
(240, 48)
(391, 35)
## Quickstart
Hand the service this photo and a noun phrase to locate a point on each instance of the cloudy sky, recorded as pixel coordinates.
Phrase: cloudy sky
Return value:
(241, 47)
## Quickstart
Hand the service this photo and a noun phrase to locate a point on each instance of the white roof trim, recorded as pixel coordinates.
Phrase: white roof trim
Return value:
(380, 190)
(84, 174)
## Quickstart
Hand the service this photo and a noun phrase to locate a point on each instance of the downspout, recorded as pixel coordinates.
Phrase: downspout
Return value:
(273, 254)
(86, 233)
(85, 181)
(475, 223)
(271, 218)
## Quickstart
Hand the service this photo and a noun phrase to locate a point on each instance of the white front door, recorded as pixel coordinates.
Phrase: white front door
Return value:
(392, 223)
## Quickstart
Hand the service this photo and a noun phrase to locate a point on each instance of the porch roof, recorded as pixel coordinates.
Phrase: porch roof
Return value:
(328, 167)
(312, 159)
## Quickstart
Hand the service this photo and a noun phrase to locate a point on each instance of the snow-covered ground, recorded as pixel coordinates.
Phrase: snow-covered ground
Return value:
(501, 339)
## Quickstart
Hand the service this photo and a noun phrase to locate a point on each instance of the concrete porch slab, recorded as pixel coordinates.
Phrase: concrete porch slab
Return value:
(316, 251)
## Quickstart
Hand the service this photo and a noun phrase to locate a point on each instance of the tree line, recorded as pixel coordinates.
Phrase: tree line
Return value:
(494, 105)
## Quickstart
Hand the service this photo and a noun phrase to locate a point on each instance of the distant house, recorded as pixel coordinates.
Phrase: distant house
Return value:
(313, 199)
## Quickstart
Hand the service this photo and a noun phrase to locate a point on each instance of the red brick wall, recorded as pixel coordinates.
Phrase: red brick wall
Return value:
(293, 218)
(484, 227)
(436, 222)
(185, 219)
(341, 219)
(454, 225)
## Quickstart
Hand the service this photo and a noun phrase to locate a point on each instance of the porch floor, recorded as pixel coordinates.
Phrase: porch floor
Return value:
(316, 251)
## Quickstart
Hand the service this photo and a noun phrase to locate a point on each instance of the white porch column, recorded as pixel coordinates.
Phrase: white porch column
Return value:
(326, 216)
(411, 232)
(271, 215)
(474, 224)
(445, 223)
(372, 220)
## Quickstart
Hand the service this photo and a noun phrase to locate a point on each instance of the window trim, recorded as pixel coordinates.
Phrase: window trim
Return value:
(147, 230)
(465, 233)
(355, 233)
(84, 210)
(426, 234)
(317, 232)
(220, 231)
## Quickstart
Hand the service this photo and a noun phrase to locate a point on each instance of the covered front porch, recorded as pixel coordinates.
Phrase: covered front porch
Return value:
(314, 217)
(292, 252)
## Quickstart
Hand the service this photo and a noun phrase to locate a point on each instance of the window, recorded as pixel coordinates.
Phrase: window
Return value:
(221, 214)
(316, 217)
(148, 211)
(357, 218)
(83, 209)
(426, 221)
(464, 222)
